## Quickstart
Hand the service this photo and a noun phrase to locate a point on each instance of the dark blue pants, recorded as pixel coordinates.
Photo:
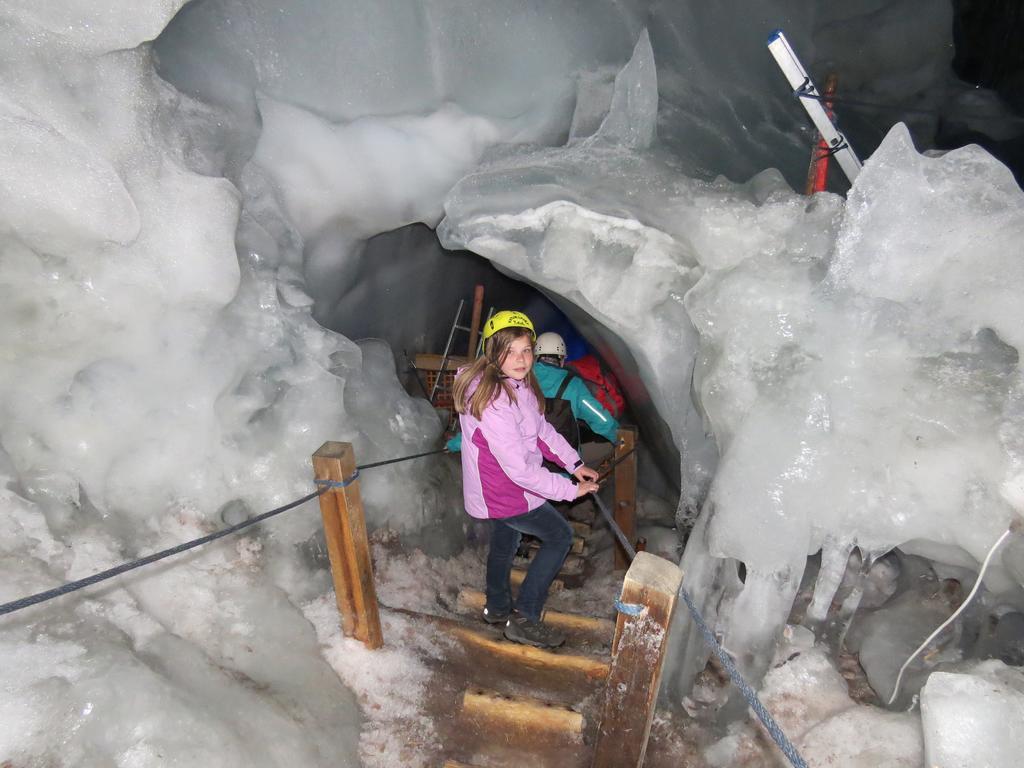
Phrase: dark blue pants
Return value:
(555, 534)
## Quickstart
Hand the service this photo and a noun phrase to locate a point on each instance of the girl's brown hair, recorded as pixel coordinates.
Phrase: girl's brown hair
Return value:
(488, 368)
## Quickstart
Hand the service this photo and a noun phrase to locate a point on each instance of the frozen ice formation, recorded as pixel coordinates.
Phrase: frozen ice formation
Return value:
(879, 406)
(90, 27)
(855, 364)
(346, 60)
(50, 216)
(341, 184)
(969, 716)
(153, 374)
(632, 115)
(809, 698)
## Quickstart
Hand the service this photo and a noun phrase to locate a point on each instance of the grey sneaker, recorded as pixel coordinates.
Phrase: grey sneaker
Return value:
(494, 617)
(522, 630)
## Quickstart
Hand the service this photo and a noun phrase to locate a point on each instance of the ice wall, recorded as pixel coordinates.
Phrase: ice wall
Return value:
(340, 184)
(879, 404)
(158, 382)
(345, 60)
(376, 150)
(381, 145)
(724, 109)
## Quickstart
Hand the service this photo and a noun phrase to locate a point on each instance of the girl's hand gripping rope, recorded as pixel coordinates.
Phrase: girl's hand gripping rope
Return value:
(587, 479)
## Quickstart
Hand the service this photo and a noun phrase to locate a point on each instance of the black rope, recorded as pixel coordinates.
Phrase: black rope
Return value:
(110, 573)
(88, 581)
(608, 470)
(777, 734)
(727, 662)
(832, 151)
(403, 458)
(623, 539)
(806, 89)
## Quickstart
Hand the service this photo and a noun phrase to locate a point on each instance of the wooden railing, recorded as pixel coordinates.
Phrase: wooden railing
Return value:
(625, 493)
(348, 545)
(638, 652)
(647, 602)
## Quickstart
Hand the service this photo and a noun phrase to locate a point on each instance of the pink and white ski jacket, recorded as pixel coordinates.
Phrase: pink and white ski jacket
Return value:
(502, 453)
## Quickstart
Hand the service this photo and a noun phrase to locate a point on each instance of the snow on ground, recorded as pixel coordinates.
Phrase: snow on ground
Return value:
(391, 684)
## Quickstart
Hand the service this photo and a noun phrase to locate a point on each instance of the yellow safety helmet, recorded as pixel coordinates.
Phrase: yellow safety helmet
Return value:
(508, 318)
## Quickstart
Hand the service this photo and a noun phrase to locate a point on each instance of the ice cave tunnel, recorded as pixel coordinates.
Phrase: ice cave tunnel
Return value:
(227, 225)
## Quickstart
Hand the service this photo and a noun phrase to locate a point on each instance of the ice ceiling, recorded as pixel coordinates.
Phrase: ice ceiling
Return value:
(833, 373)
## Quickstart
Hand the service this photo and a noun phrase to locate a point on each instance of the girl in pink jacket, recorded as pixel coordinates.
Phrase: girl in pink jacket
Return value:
(505, 439)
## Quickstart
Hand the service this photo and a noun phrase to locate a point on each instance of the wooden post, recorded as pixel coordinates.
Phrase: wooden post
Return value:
(625, 494)
(474, 324)
(348, 545)
(637, 656)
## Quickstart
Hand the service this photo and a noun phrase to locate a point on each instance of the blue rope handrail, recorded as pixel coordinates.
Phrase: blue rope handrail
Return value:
(727, 662)
(96, 578)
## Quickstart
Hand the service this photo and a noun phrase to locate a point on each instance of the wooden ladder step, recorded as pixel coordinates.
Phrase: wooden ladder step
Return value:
(583, 513)
(522, 712)
(592, 667)
(580, 528)
(519, 573)
(573, 565)
(579, 544)
(472, 601)
(565, 580)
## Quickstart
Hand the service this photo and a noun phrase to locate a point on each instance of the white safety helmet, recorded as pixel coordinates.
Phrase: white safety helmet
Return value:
(549, 344)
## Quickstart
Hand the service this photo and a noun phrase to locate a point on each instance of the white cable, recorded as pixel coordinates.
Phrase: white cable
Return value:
(957, 612)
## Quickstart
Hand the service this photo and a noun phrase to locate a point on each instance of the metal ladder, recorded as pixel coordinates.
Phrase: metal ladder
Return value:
(451, 337)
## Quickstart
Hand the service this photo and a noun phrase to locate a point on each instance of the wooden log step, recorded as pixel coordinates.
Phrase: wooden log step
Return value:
(535, 658)
(572, 566)
(565, 580)
(457, 764)
(472, 601)
(518, 574)
(579, 544)
(571, 581)
(582, 512)
(522, 713)
(580, 528)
